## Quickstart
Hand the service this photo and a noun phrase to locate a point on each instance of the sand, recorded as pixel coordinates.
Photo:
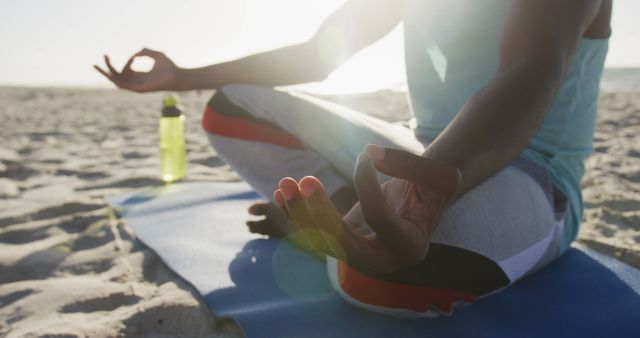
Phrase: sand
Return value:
(70, 268)
(611, 186)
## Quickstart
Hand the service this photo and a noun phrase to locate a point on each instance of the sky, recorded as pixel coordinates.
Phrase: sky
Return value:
(56, 42)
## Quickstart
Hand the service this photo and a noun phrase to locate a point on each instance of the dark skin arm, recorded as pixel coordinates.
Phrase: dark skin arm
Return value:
(392, 225)
(496, 124)
(355, 25)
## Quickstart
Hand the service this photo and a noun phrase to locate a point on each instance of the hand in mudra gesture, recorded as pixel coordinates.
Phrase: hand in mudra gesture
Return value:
(390, 226)
(162, 76)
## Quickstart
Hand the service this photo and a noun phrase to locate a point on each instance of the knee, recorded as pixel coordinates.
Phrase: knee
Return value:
(225, 100)
(232, 97)
(232, 107)
(224, 93)
(241, 92)
(233, 89)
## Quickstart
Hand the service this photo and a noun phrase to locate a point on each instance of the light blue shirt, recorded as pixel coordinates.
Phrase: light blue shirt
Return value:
(451, 51)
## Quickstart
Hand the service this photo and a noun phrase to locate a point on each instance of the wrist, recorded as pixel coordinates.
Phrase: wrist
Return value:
(181, 81)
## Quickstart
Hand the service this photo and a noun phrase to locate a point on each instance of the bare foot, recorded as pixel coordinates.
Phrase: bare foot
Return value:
(391, 225)
(274, 224)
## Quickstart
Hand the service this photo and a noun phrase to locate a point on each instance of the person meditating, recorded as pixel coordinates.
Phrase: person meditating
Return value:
(483, 191)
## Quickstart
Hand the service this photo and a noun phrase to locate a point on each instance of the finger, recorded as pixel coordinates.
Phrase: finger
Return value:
(127, 66)
(154, 54)
(113, 71)
(375, 209)
(440, 177)
(103, 72)
(111, 78)
(324, 215)
(372, 201)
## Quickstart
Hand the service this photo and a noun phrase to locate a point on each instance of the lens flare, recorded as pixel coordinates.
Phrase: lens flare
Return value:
(299, 274)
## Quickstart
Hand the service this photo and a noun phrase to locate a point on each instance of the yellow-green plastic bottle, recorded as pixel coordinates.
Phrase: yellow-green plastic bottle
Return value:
(173, 159)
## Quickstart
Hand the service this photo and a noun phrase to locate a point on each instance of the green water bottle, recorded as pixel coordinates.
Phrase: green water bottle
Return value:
(172, 151)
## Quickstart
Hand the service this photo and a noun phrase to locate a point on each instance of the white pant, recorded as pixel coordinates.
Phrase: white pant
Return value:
(507, 226)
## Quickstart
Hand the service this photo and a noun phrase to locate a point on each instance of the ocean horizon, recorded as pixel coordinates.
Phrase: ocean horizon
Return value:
(620, 79)
(613, 80)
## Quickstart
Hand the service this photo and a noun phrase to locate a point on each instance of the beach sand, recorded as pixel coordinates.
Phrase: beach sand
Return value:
(69, 267)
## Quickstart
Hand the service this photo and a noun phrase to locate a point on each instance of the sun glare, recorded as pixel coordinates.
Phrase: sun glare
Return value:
(379, 66)
(254, 26)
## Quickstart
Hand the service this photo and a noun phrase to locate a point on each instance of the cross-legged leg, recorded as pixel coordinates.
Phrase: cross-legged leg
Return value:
(266, 134)
(497, 233)
(505, 228)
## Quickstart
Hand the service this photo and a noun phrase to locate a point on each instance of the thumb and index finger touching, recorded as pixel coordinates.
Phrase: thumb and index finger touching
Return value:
(436, 176)
(389, 227)
(122, 78)
(398, 234)
(112, 72)
(144, 52)
(154, 54)
(440, 178)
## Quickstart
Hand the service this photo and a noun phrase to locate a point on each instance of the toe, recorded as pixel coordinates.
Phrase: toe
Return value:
(309, 185)
(290, 189)
(259, 227)
(259, 209)
(278, 196)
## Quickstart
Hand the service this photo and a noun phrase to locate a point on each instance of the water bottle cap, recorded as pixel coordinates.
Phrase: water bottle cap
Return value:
(169, 101)
(170, 107)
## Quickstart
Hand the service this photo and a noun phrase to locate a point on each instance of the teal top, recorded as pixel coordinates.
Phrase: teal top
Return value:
(451, 51)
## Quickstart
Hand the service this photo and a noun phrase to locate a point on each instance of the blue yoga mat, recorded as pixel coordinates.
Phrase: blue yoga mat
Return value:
(273, 290)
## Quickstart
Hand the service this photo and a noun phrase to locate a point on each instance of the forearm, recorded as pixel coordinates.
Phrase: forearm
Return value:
(352, 27)
(497, 123)
(281, 67)
(357, 23)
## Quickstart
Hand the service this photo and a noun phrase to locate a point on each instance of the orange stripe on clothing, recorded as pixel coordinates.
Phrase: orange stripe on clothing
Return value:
(397, 296)
(245, 129)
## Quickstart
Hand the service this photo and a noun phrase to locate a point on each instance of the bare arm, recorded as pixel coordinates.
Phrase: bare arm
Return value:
(355, 25)
(494, 126)
(352, 27)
